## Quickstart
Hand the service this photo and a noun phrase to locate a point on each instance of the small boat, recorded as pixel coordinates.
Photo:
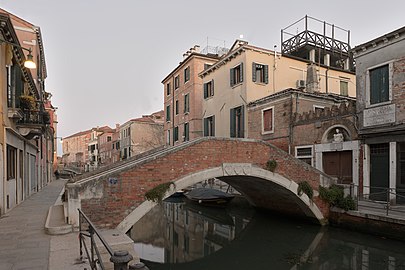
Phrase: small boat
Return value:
(209, 196)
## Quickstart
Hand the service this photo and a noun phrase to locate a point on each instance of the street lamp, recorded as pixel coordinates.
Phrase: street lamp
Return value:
(29, 62)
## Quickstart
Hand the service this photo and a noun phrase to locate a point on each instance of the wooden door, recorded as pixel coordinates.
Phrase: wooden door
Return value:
(339, 165)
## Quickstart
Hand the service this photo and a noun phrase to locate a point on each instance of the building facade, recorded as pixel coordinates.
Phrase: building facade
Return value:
(380, 70)
(141, 134)
(75, 150)
(183, 92)
(318, 128)
(248, 73)
(28, 134)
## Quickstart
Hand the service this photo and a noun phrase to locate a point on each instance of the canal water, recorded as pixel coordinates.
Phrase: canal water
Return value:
(179, 235)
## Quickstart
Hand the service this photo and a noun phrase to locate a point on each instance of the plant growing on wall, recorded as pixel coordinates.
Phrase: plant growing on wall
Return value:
(305, 187)
(27, 102)
(271, 165)
(335, 196)
(157, 193)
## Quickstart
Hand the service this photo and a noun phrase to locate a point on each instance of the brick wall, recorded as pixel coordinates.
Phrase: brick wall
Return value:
(398, 90)
(122, 198)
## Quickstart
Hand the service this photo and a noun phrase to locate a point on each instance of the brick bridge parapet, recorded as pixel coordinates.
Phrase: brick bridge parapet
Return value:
(110, 195)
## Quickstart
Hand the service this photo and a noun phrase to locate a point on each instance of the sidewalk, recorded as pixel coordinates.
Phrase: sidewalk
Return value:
(24, 243)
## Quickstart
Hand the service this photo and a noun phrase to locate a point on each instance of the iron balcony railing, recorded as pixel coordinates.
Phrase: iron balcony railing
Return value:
(34, 117)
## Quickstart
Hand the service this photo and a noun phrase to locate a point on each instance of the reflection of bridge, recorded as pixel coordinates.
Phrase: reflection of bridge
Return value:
(115, 196)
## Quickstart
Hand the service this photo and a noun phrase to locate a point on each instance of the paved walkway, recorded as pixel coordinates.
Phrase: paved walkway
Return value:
(24, 243)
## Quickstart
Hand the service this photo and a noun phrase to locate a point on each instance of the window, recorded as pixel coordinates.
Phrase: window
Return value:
(168, 113)
(176, 82)
(207, 66)
(168, 89)
(304, 153)
(268, 120)
(186, 74)
(318, 109)
(209, 89)
(237, 122)
(401, 163)
(108, 138)
(209, 126)
(186, 136)
(379, 84)
(237, 75)
(260, 73)
(177, 107)
(11, 162)
(344, 88)
(176, 134)
(186, 103)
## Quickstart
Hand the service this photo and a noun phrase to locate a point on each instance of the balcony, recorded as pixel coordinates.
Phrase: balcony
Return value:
(33, 122)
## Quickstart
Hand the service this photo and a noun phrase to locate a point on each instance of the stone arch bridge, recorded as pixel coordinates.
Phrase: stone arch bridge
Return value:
(114, 197)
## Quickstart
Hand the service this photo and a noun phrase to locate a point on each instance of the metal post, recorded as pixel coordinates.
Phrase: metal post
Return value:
(120, 259)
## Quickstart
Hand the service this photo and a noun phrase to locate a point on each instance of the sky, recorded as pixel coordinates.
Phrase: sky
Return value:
(106, 59)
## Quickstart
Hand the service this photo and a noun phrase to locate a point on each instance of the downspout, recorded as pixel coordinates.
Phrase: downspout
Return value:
(290, 137)
(327, 79)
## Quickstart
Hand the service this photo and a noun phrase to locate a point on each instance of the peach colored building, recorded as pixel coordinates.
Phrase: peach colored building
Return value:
(26, 136)
(141, 134)
(248, 73)
(105, 141)
(75, 149)
(183, 97)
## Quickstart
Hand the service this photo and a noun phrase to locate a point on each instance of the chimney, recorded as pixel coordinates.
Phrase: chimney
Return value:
(197, 48)
(326, 59)
(117, 126)
(312, 79)
(312, 55)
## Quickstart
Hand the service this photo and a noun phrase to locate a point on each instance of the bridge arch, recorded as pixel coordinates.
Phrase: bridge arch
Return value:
(261, 188)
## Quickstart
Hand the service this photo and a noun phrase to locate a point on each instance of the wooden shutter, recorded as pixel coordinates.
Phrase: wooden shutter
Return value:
(241, 72)
(242, 122)
(232, 123)
(254, 71)
(232, 82)
(212, 87)
(266, 74)
(205, 127)
(205, 90)
(213, 125)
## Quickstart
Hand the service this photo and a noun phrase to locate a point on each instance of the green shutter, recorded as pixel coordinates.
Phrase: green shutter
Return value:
(232, 123)
(212, 87)
(266, 74)
(213, 126)
(241, 72)
(231, 78)
(205, 127)
(379, 84)
(242, 122)
(205, 90)
(254, 71)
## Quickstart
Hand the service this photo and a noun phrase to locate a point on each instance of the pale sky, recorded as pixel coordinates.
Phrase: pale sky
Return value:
(106, 59)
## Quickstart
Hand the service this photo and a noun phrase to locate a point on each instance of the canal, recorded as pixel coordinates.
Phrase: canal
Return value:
(179, 235)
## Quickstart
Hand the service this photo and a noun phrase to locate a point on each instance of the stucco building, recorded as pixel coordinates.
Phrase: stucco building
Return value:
(183, 92)
(27, 135)
(75, 150)
(141, 134)
(380, 70)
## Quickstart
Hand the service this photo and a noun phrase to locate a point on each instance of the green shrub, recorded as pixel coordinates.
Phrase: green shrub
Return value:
(305, 187)
(271, 165)
(156, 194)
(334, 195)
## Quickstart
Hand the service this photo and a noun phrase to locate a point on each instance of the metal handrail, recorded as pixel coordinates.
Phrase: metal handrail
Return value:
(387, 191)
(93, 253)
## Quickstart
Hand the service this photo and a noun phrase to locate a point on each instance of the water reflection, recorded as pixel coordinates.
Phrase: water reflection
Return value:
(179, 235)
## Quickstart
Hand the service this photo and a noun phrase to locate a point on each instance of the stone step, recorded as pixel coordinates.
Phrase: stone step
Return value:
(55, 222)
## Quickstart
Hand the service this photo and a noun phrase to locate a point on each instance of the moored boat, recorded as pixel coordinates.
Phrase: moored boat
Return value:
(209, 196)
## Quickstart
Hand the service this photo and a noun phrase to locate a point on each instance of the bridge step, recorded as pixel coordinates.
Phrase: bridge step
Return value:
(55, 221)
